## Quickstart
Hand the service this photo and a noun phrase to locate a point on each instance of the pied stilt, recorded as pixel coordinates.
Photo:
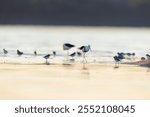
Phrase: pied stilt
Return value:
(73, 55)
(85, 49)
(67, 46)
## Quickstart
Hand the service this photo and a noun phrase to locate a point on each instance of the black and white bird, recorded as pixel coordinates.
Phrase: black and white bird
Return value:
(46, 57)
(5, 51)
(121, 55)
(67, 47)
(148, 56)
(73, 55)
(117, 60)
(84, 50)
(19, 52)
(79, 53)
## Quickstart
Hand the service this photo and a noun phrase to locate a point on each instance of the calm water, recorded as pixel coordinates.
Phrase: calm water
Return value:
(104, 41)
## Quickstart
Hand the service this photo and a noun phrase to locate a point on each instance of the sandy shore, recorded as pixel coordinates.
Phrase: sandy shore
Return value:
(73, 82)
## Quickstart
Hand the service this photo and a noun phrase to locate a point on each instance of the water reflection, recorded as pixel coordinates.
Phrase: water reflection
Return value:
(80, 72)
(84, 67)
(85, 74)
(148, 69)
(68, 66)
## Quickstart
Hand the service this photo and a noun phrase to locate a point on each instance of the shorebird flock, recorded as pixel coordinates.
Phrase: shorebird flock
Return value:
(121, 56)
(129, 56)
(81, 52)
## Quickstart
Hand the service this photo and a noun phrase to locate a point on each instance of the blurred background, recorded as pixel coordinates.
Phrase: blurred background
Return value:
(76, 12)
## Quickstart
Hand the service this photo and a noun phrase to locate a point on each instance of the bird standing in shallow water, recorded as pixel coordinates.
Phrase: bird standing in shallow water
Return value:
(143, 59)
(54, 53)
(85, 49)
(130, 56)
(35, 53)
(73, 55)
(121, 55)
(67, 46)
(46, 57)
(79, 53)
(19, 53)
(117, 60)
(5, 51)
(148, 56)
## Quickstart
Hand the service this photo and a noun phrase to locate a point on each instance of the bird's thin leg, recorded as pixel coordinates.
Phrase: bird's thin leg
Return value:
(67, 55)
(84, 58)
(84, 61)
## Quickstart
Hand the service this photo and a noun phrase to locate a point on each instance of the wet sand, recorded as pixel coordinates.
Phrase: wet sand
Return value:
(96, 81)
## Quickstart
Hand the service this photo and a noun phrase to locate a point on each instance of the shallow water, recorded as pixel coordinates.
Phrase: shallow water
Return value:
(105, 42)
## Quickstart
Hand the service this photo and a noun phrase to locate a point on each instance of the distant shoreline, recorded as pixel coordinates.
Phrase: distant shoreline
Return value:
(72, 24)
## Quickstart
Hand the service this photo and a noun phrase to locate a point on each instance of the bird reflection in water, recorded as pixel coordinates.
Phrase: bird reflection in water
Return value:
(85, 73)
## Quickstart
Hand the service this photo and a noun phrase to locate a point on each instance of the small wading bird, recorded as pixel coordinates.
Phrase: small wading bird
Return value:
(148, 56)
(35, 53)
(54, 53)
(117, 60)
(73, 55)
(5, 51)
(85, 49)
(46, 58)
(79, 53)
(121, 55)
(143, 58)
(67, 46)
(19, 53)
(130, 54)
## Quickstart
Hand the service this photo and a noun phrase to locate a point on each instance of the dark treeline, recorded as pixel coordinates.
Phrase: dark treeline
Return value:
(76, 12)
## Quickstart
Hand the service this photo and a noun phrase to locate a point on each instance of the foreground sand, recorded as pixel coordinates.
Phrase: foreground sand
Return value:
(74, 82)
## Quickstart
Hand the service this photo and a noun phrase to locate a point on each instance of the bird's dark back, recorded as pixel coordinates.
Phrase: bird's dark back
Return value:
(46, 56)
(116, 58)
(73, 54)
